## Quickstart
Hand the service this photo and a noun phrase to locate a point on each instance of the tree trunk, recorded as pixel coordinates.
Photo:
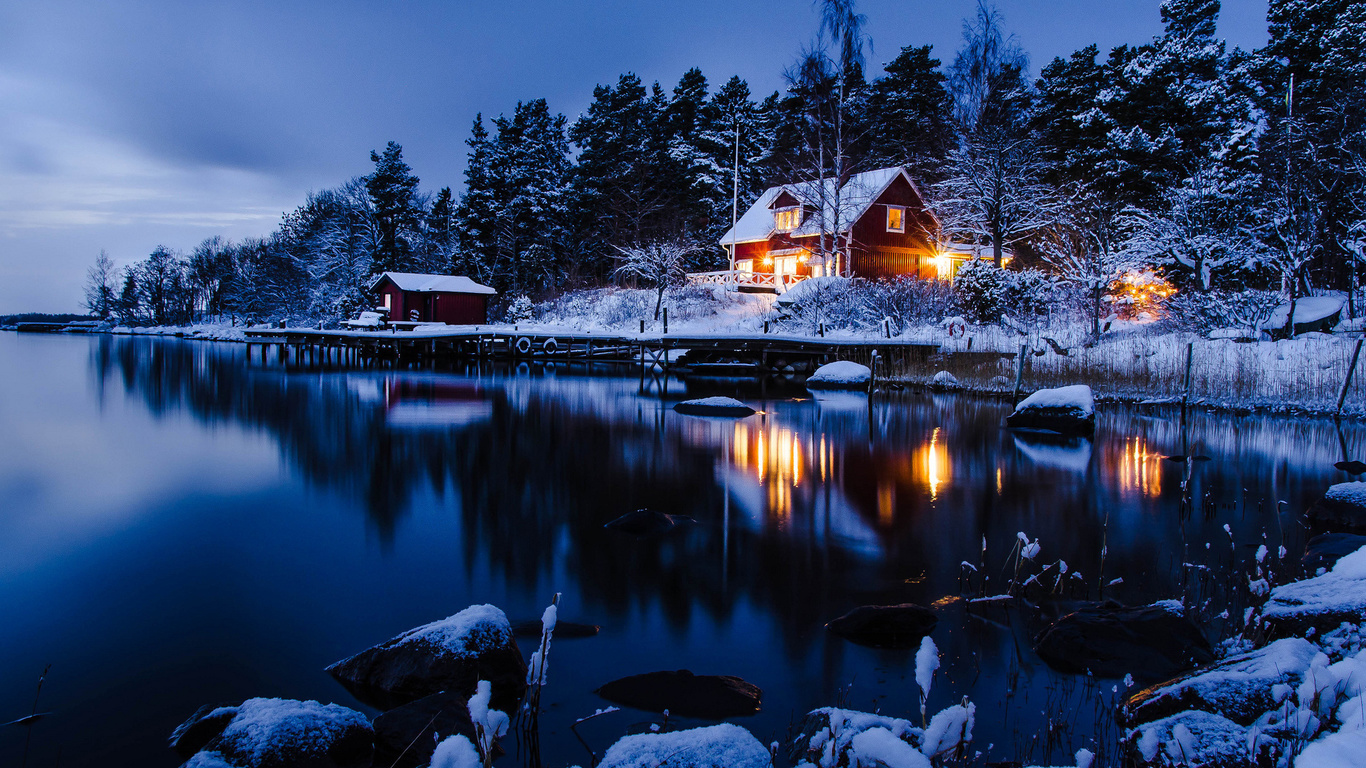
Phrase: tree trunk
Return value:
(1095, 316)
(659, 301)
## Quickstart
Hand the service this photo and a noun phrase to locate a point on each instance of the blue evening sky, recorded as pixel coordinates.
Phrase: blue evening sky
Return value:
(125, 124)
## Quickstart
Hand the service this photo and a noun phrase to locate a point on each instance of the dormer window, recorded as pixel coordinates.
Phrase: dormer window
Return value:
(787, 219)
(896, 218)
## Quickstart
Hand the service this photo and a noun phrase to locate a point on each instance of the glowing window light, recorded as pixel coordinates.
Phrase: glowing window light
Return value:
(943, 266)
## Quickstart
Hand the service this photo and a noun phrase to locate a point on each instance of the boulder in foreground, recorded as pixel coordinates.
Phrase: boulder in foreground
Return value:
(716, 746)
(1151, 642)
(1343, 504)
(1326, 549)
(284, 733)
(406, 736)
(714, 406)
(842, 374)
(1323, 602)
(685, 694)
(1238, 688)
(885, 626)
(1065, 410)
(452, 655)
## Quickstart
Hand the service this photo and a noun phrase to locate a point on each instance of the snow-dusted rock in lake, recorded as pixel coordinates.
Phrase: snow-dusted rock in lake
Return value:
(452, 654)
(842, 374)
(716, 746)
(1195, 739)
(648, 522)
(885, 626)
(285, 733)
(1344, 504)
(1151, 642)
(1066, 410)
(1323, 551)
(714, 406)
(403, 735)
(685, 694)
(1323, 602)
(1240, 688)
(200, 728)
(945, 379)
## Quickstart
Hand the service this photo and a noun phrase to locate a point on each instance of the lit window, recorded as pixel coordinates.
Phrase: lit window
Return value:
(787, 219)
(896, 218)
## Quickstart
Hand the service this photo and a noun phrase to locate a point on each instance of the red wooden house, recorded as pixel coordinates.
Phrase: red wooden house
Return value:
(876, 224)
(432, 298)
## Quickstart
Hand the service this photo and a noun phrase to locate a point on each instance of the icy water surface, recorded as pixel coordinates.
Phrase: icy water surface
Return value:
(178, 529)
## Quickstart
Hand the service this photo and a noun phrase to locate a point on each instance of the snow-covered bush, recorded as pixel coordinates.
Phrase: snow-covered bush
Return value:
(520, 310)
(987, 292)
(1205, 312)
(905, 300)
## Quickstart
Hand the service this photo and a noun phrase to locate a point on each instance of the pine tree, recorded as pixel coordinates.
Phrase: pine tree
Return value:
(908, 113)
(393, 189)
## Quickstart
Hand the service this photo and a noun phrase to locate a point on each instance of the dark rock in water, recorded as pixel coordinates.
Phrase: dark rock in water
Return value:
(885, 626)
(1324, 550)
(1065, 410)
(564, 630)
(200, 728)
(284, 733)
(714, 406)
(1111, 640)
(1237, 688)
(1352, 467)
(413, 729)
(647, 522)
(685, 694)
(1344, 505)
(453, 655)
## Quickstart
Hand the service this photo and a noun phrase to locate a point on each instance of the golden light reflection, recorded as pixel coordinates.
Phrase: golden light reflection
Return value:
(934, 460)
(886, 502)
(1140, 469)
(779, 461)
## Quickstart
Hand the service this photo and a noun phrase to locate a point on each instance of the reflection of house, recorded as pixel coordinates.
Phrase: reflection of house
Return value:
(432, 298)
(876, 225)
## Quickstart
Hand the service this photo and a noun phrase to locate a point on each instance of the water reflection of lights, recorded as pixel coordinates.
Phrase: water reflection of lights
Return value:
(1139, 468)
(934, 459)
(779, 459)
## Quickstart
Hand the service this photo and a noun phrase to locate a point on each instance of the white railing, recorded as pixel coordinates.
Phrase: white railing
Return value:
(736, 279)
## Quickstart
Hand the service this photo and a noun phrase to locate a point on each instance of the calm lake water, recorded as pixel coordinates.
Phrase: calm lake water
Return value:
(177, 528)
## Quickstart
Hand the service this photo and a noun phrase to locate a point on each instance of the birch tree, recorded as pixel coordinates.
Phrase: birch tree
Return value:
(660, 263)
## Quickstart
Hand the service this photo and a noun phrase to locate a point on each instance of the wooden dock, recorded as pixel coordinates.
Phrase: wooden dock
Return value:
(762, 354)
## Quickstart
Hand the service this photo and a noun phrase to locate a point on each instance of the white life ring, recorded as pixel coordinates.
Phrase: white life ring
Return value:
(550, 346)
(958, 328)
(523, 346)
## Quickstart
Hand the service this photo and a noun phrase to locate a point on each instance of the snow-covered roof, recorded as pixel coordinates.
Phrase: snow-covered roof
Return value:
(855, 197)
(411, 281)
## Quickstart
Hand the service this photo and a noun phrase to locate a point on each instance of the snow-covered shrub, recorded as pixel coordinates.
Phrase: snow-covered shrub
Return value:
(905, 300)
(988, 292)
(519, 310)
(1208, 311)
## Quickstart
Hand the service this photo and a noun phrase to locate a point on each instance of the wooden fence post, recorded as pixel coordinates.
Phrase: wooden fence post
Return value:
(1019, 375)
(1186, 391)
(1347, 382)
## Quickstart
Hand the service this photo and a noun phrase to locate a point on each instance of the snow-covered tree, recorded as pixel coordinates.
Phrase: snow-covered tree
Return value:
(661, 264)
(909, 116)
(1082, 249)
(393, 189)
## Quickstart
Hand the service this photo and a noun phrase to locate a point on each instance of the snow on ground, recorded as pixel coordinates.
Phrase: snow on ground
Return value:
(1309, 309)
(717, 746)
(1076, 400)
(842, 372)
(1340, 591)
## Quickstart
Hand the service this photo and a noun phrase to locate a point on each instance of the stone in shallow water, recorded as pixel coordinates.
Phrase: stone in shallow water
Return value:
(885, 626)
(1324, 550)
(200, 728)
(648, 522)
(1111, 640)
(843, 374)
(285, 733)
(452, 654)
(406, 736)
(1238, 688)
(1344, 505)
(685, 694)
(1323, 602)
(714, 406)
(1065, 410)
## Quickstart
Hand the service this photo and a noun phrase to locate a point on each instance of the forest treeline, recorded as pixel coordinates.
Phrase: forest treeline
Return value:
(1222, 169)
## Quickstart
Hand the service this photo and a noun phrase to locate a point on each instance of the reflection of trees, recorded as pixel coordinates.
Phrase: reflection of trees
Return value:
(901, 505)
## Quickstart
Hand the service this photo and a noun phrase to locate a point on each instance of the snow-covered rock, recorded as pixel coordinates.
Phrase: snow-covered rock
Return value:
(885, 626)
(452, 654)
(841, 374)
(716, 746)
(1323, 551)
(1343, 749)
(1195, 739)
(830, 732)
(944, 379)
(1066, 410)
(683, 693)
(282, 733)
(1344, 504)
(403, 735)
(1312, 313)
(714, 406)
(1240, 688)
(1323, 602)
(200, 728)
